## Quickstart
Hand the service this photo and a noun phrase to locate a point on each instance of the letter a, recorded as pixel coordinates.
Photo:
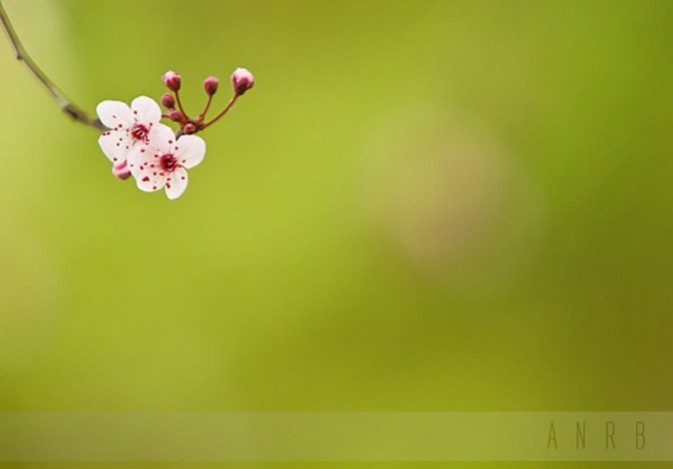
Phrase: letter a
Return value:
(552, 436)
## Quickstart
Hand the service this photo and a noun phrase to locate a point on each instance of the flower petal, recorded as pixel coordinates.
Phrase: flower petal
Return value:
(190, 150)
(145, 110)
(116, 144)
(150, 184)
(163, 137)
(115, 114)
(176, 183)
(146, 169)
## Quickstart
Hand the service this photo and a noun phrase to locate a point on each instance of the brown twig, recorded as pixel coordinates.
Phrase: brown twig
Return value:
(229, 105)
(63, 102)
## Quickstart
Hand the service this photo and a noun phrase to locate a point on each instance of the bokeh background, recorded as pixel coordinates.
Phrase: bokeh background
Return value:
(434, 205)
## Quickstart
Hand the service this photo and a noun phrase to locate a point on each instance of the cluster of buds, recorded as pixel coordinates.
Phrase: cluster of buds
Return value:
(241, 80)
(155, 155)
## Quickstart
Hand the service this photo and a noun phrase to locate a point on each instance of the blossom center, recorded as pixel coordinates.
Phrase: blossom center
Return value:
(139, 131)
(168, 162)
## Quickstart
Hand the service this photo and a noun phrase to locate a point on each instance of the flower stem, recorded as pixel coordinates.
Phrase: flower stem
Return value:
(205, 110)
(224, 111)
(63, 102)
(177, 99)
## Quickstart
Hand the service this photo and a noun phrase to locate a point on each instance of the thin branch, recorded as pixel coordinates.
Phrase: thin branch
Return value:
(177, 99)
(63, 102)
(224, 111)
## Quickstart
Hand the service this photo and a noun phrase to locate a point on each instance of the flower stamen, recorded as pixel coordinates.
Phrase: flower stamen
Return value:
(168, 162)
(139, 132)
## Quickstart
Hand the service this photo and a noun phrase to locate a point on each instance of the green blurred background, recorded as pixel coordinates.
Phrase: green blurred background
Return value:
(435, 205)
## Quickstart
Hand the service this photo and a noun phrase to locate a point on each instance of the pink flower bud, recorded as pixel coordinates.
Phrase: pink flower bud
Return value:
(175, 116)
(168, 101)
(189, 128)
(242, 80)
(121, 170)
(172, 80)
(210, 85)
